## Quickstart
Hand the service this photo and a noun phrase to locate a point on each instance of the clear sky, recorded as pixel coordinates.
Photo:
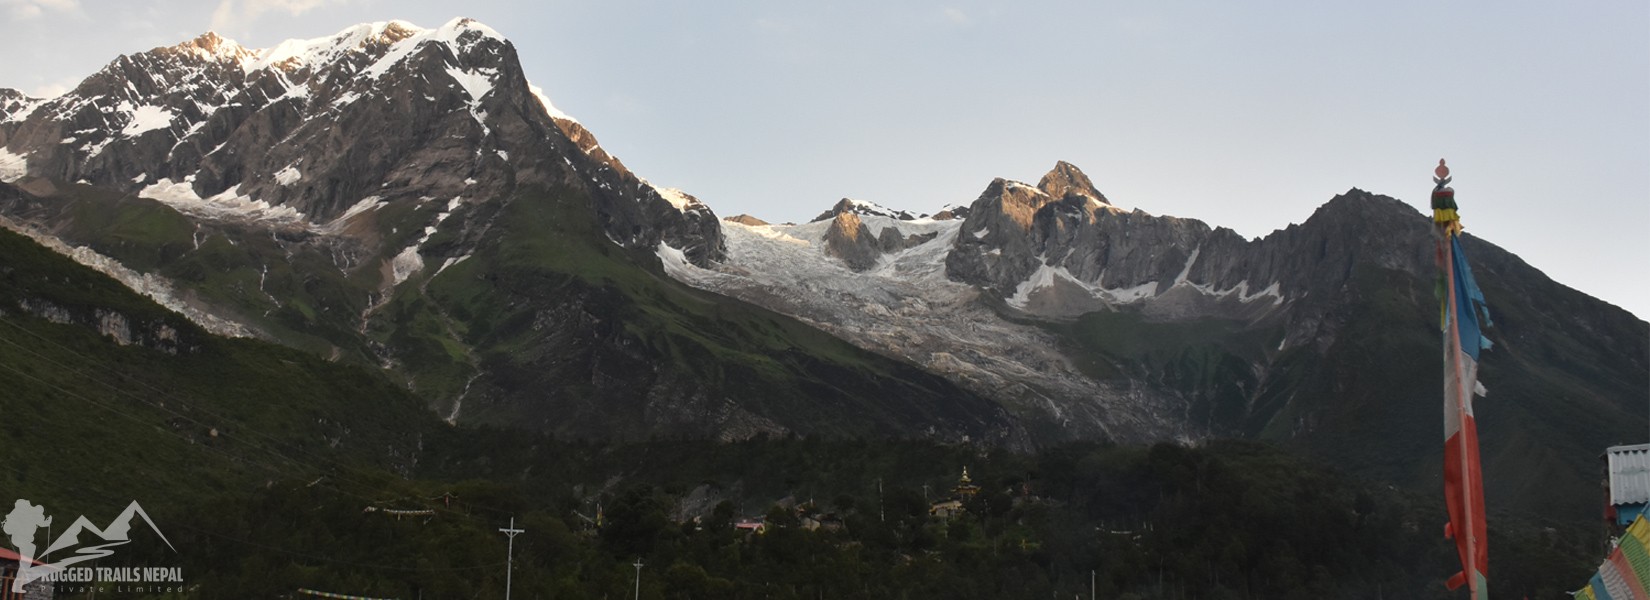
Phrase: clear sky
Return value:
(1247, 115)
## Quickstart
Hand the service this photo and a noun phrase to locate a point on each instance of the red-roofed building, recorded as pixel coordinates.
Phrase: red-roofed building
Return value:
(39, 589)
(756, 526)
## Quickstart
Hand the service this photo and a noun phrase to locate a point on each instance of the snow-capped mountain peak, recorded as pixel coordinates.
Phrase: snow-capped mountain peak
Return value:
(863, 208)
(294, 135)
(223, 117)
(210, 46)
(401, 37)
(294, 54)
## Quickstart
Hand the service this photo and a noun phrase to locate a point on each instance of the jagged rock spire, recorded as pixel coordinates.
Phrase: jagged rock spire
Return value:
(1066, 179)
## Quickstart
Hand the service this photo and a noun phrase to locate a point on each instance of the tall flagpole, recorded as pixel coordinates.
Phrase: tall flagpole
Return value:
(1462, 326)
(1462, 395)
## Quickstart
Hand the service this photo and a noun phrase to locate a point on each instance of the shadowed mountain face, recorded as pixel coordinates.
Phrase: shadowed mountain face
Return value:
(403, 198)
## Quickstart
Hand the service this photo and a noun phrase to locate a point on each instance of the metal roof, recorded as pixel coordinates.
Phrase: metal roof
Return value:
(1629, 474)
(9, 558)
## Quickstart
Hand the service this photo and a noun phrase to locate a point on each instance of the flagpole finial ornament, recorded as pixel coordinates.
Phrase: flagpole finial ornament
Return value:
(1443, 201)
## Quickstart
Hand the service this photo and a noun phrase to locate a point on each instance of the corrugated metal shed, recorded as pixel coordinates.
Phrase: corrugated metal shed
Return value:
(1629, 474)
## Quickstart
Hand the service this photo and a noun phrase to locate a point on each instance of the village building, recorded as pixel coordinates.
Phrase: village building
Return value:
(1628, 482)
(39, 589)
(945, 509)
(751, 526)
(953, 506)
(825, 521)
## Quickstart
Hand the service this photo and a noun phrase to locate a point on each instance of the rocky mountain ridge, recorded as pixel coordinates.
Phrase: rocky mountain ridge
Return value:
(1087, 320)
(403, 197)
(861, 207)
(380, 114)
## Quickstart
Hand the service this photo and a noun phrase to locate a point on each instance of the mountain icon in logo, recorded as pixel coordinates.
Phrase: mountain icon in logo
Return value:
(26, 519)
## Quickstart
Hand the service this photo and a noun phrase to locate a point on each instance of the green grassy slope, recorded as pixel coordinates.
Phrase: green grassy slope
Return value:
(177, 412)
(286, 290)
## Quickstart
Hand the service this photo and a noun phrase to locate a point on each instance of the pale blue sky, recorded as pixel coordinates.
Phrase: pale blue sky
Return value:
(1243, 114)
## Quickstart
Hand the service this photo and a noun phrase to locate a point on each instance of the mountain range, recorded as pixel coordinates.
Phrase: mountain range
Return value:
(403, 198)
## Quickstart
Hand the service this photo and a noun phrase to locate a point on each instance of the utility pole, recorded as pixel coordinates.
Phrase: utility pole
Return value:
(1091, 585)
(881, 516)
(510, 556)
(638, 566)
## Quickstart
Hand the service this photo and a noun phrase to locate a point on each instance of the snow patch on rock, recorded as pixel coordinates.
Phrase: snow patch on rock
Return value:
(12, 166)
(405, 264)
(544, 100)
(155, 287)
(366, 204)
(409, 261)
(145, 119)
(675, 261)
(1187, 270)
(289, 175)
(476, 84)
(450, 262)
(345, 99)
(337, 224)
(1241, 291)
(865, 207)
(229, 204)
(24, 108)
(675, 197)
(1046, 276)
(1043, 277)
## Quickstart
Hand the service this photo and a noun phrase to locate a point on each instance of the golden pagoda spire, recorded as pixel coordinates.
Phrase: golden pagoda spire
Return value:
(965, 486)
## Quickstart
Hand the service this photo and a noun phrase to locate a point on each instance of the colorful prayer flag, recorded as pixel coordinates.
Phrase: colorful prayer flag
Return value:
(1463, 303)
(1625, 575)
